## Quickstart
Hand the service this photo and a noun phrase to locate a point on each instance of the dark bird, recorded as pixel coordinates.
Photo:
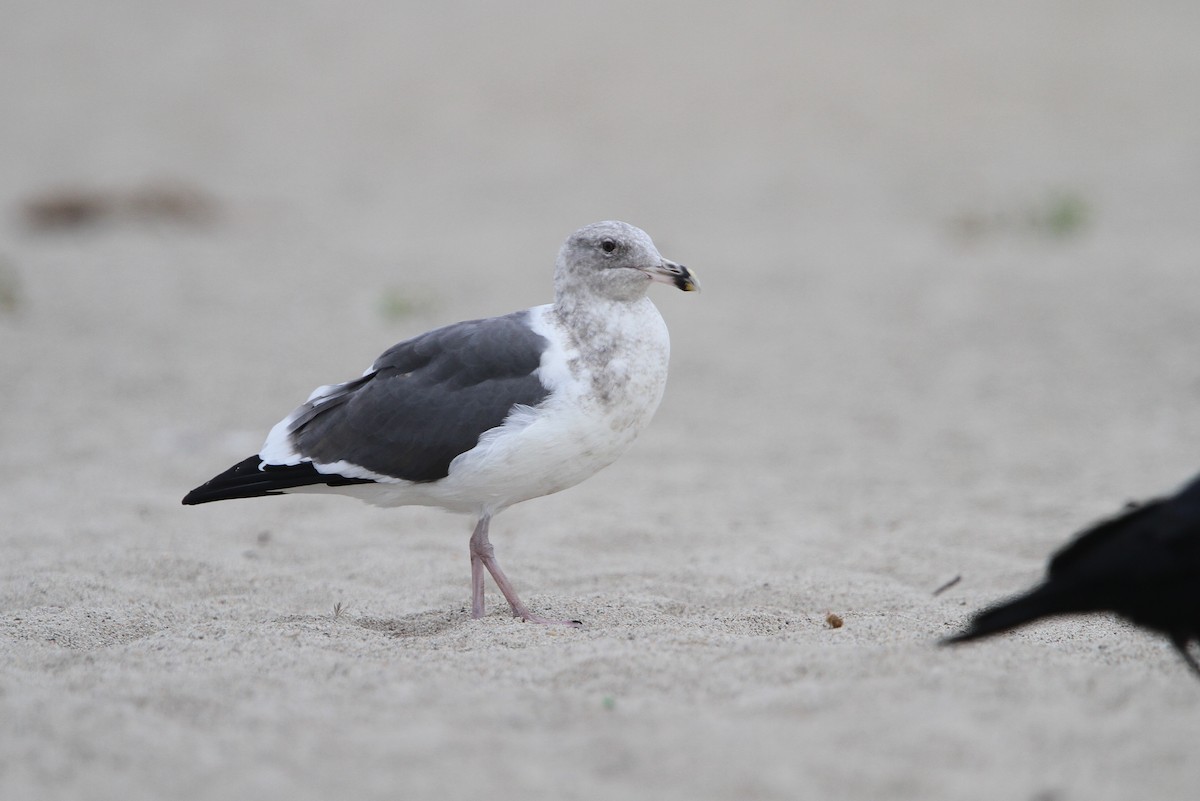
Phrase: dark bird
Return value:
(1143, 564)
(479, 415)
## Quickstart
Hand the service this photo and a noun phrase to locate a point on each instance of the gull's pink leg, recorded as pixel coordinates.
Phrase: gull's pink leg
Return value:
(477, 570)
(483, 555)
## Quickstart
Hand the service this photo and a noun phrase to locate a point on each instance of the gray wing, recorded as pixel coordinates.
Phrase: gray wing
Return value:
(426, 400)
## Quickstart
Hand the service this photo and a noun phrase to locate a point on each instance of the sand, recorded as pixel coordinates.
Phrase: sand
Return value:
(950, 309)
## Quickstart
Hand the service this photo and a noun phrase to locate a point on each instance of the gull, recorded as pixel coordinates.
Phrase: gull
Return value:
(479, 415)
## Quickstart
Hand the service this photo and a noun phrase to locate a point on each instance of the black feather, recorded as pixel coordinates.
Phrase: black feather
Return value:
(247, 479)
(1143, 564)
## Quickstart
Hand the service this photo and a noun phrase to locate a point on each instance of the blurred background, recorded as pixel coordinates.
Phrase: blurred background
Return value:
(951, 312)
(988, 214)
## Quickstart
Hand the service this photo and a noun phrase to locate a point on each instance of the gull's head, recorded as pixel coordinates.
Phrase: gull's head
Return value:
(615, 260)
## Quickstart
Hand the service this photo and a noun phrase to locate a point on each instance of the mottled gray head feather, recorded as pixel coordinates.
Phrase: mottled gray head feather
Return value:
(609, 259)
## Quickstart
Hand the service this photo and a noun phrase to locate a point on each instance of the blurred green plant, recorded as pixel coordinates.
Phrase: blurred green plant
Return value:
(397, 304)
(1061, 215)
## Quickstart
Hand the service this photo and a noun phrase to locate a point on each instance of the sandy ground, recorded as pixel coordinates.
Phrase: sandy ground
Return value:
(950, 316)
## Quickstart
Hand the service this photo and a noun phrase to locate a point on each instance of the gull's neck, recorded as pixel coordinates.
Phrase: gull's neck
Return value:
(587, 314)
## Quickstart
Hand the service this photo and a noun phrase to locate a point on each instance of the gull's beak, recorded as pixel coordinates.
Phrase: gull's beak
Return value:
(669, 272)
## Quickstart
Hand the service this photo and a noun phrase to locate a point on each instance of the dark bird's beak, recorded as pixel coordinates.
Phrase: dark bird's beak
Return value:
(670, 272)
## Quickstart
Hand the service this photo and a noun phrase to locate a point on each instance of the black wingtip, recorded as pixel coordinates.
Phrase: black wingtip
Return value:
(206, 494)
(251, 478)
(243, 480)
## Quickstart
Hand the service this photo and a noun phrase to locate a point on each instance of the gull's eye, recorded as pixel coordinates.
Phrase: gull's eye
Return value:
(608, 245)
